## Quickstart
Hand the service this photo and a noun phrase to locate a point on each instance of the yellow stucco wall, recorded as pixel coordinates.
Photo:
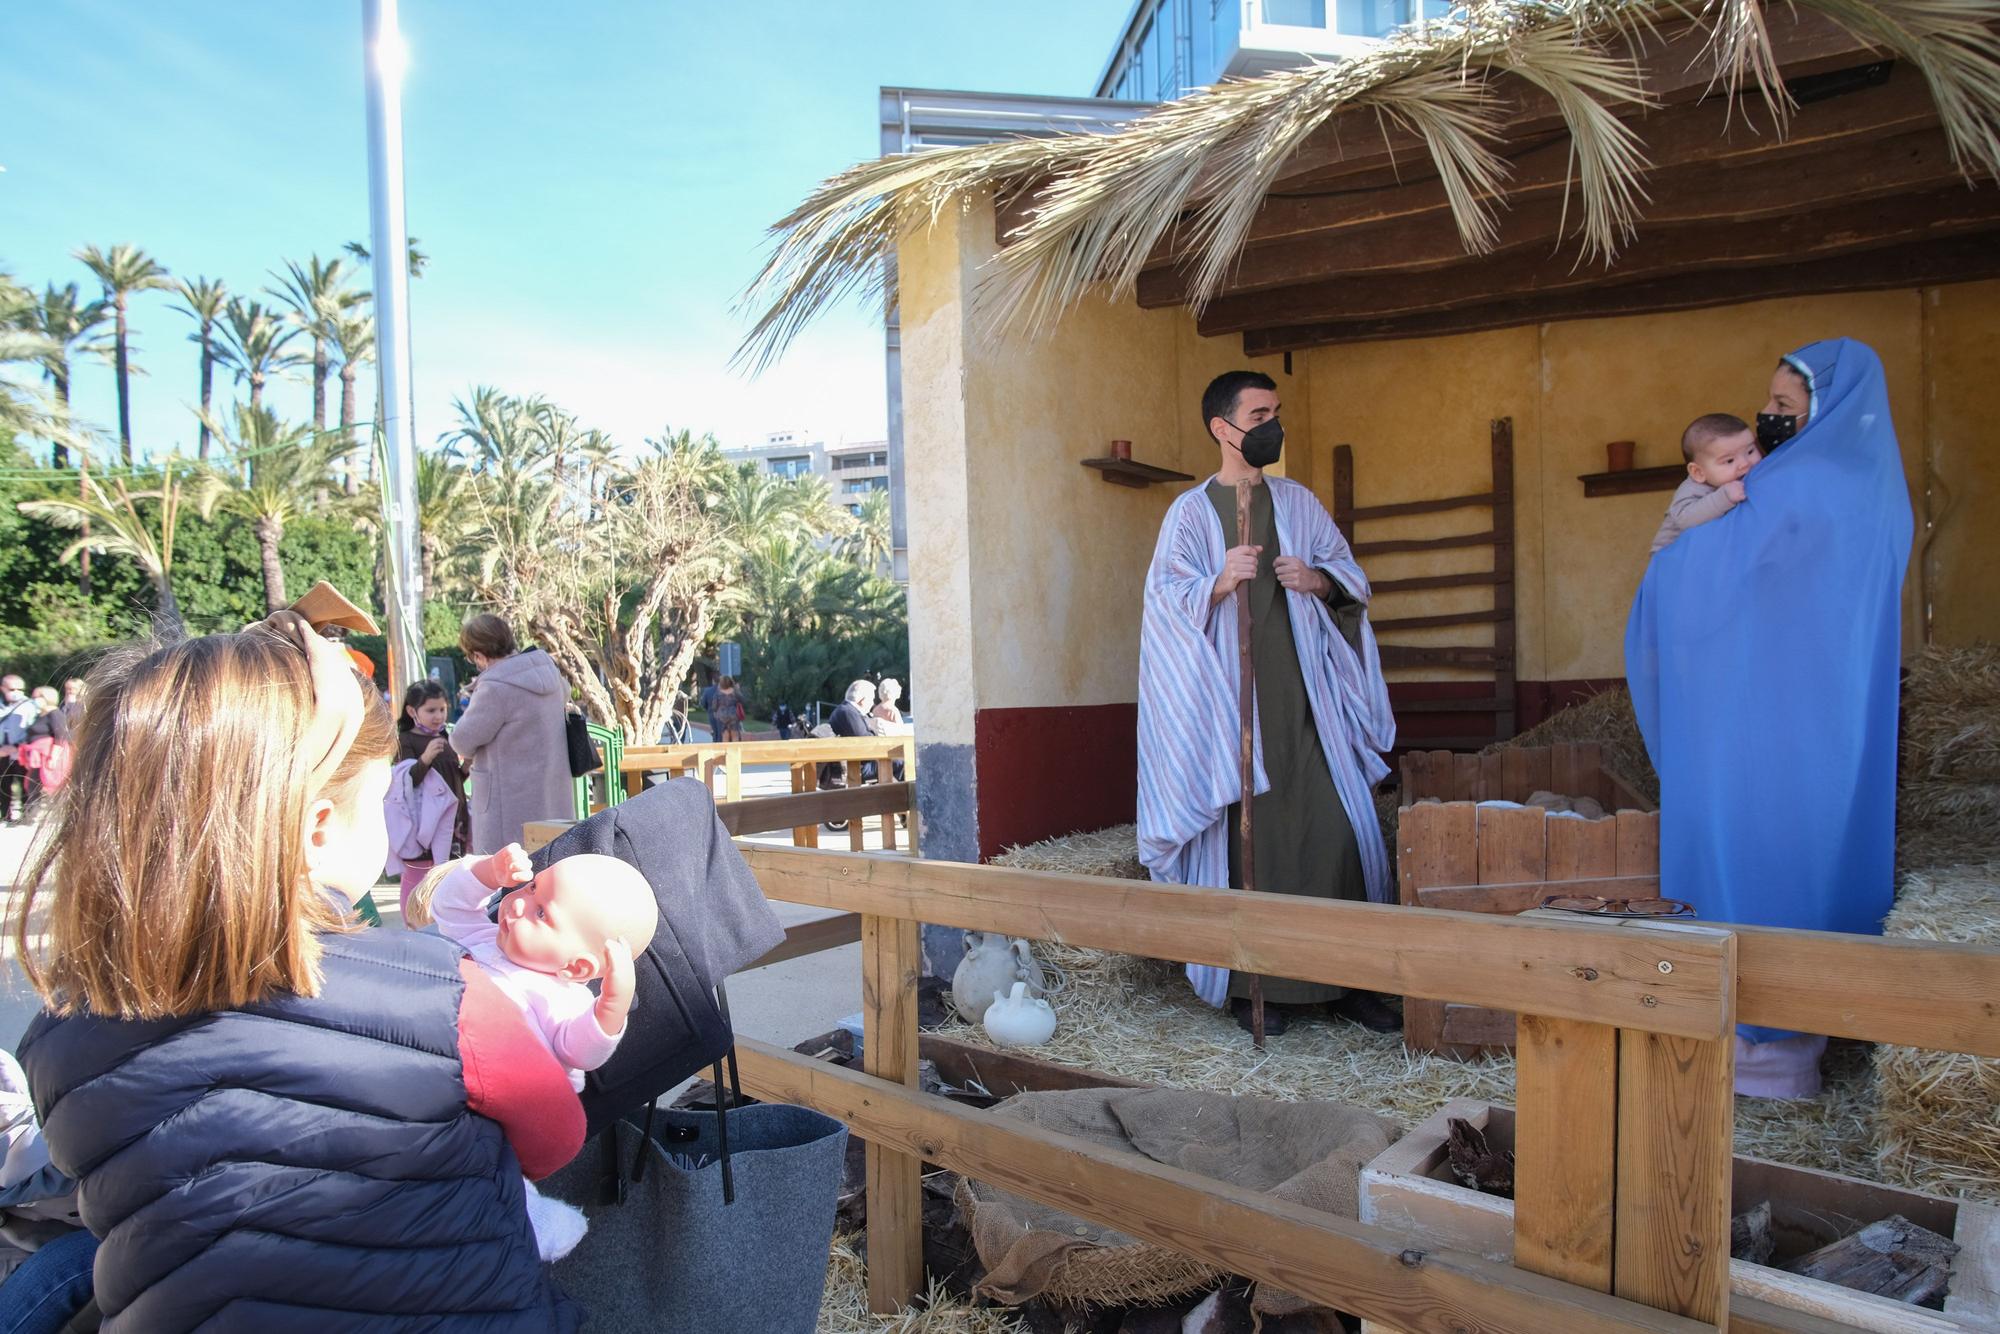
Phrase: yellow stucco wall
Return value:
(1026, 568)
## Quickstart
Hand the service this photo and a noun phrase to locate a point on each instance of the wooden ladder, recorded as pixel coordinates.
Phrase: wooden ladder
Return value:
(1500, 657)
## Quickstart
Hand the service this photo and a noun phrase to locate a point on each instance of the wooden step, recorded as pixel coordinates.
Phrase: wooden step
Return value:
(1486, 616)
(1470, 579)
(1485, 539)
(1470, 704)
(1418, 506)
(1480, 656)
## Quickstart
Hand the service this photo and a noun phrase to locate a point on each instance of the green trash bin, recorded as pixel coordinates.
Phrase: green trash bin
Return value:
(610, 742)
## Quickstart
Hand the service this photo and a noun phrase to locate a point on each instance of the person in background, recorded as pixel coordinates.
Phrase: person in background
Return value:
(726, 711)
(512, 736)
(17, 713)
(784, 720)
(422, 745)
(74, 692)
(707, 702)
(46, 753)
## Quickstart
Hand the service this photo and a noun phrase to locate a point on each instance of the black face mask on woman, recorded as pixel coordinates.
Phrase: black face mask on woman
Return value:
(1262, 443)
(1774, 429)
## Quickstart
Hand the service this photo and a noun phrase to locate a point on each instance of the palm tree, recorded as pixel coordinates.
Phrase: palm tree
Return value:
(71, 327)
(22, 410)
(354, 344)
(203, 300)
(123, 271)
(871, 543)
(319, 298)
(254, 345)
(111, 522)
(416, 259)
(272, 473)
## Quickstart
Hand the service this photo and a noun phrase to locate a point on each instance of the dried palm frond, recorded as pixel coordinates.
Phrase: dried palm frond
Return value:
(1195, 172)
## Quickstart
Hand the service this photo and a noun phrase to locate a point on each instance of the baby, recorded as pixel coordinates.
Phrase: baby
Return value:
(1719, 450)
(580, 920)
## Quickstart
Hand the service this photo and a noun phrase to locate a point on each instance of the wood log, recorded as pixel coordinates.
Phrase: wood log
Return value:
(1750, 1235)
(1894, 1258)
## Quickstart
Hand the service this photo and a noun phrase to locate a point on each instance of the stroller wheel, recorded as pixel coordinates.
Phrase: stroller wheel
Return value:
(837, 826)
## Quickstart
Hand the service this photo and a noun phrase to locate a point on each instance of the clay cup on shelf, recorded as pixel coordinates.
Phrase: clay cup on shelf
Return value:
(1121, 449)
(1618, 455)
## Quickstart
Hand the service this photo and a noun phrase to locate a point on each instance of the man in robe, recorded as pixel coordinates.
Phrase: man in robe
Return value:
(1322, 710)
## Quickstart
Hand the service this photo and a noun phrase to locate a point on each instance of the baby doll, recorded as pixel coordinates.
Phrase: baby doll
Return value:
(1719, 450)
(580, 920)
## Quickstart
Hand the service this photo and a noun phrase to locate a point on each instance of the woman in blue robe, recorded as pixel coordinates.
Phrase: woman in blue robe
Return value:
(1763, 653)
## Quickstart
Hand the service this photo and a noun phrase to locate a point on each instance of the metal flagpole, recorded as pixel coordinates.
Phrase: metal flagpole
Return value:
(385, 58)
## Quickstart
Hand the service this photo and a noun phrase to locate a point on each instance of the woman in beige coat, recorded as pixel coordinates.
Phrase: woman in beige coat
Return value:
(511, 736)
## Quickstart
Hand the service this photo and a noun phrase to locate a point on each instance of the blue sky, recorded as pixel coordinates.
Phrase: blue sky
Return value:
(591, 180)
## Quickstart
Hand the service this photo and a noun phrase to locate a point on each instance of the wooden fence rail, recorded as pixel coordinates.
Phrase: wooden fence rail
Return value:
(803, 758)
(1623, 1133)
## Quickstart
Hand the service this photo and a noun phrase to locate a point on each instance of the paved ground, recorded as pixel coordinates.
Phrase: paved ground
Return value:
(785, 1003)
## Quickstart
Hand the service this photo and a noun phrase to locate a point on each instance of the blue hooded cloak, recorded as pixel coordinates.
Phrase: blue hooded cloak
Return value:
(1763, 653)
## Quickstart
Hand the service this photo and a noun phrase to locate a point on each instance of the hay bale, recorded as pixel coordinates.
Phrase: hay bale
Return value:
(1111, 852)
(1607, 719)
(1951, 715)
(1939, 1115)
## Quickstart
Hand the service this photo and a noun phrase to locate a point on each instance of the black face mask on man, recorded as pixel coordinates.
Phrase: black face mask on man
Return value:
(1774, 429)
(1262, 443)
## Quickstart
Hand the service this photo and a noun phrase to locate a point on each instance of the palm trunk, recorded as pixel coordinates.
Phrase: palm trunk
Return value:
(60, 374)
(319, 384)
(207, 385)
(124, 369)
(256, 390)
(269, 533)
(83, 557)
(351, 483)
(168, 612)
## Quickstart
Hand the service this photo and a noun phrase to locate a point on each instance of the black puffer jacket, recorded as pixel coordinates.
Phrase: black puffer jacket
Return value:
(304, 1165)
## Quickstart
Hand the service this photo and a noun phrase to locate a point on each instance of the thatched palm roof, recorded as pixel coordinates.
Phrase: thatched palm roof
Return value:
(1179, 193)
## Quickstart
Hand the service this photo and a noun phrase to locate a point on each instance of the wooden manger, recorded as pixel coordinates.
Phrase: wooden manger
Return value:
(1452, 852)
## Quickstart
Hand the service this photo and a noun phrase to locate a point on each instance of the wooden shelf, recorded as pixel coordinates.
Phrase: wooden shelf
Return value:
(1124, 472)
(1633, 480)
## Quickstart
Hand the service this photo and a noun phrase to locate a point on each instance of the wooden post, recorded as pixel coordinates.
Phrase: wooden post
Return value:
(1565, 1148)
(1343, 491)
(890, 964)
(1676, 1108)
(1503, 576)
(857, 839)
(732, 773)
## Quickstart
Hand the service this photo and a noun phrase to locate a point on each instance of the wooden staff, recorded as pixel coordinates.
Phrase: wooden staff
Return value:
(1246, 717)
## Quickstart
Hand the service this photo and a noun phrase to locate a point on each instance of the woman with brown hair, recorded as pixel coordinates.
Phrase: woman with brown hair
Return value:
(511, 736)
(276, 1121)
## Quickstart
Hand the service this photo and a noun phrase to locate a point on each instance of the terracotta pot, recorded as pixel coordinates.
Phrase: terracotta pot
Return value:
(1121, 449)
(1618, 455)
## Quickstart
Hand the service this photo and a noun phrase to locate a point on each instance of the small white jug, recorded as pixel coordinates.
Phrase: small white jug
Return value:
(1019, 1020)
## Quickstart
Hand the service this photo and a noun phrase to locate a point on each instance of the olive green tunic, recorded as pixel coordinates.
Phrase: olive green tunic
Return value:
(1303, 840)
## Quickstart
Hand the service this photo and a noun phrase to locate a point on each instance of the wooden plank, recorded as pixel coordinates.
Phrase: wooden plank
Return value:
(1710, 132)
(812, 937)
(1513, 844)
(1768, 191)
(1638, 843)
(1691, 248)
(1492, 776)
(891, 964)
(1565, 1148)
(1580, 969)
(538, 834)
(1474, 617)
(1469, 579)
(1404, 655)
(1500, 432)
(1520, 897)
(1402, 507)
(1436, 845)
(1915, 993)
(1005, 1073)
(1580, 849)
(857, 839)
(1588, 766)
(763, 815)
(1562, 776)
(1526, 769)
(819, 750)
(1975, 1282)
(1372, 1272)
(1621, 795)
(1676, 1104)
(1451, 704)
(1424, 544)
(1468, 1029)
(1465, 778)
(1911, 264)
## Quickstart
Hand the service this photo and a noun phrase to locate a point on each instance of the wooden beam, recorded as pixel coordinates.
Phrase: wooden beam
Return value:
(891, 963)
(1959, 259)
(1483, 499)
(1676, 1102)
(1548, 220)
(1377, 1273)
(1832, 229)
(1565, 1149)
(812, 937)
(1579, 970)
(1677, 68)
(1469, 579)
(1485, 539)
(763, 815)
(1472, 658)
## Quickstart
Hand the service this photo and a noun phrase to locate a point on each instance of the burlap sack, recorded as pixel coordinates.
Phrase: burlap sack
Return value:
(1307, 1153)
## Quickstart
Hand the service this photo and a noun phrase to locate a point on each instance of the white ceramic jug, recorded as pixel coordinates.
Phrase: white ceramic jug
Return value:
(992, 963)
(1019, 1020)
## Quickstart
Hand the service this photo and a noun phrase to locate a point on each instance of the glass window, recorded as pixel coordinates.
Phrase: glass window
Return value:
(791, 466)
(1369, 18)
(861, 486)
(875, 459)
(1296, 13)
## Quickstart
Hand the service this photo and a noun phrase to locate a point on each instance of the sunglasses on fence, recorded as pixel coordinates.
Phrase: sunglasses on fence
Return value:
(1603, 907)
